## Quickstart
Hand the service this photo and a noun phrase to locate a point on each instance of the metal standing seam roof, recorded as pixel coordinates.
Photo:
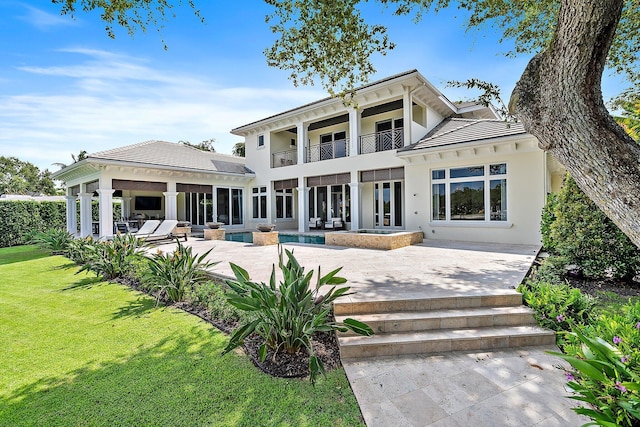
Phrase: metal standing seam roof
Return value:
(169, 154)
(456, 131)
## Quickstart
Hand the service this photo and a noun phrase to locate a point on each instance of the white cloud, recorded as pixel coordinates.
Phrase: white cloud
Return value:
(107, 100)
(45, 20)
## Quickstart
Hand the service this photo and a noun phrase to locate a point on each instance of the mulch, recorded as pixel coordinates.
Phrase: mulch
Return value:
(280, 364)
(596, 287)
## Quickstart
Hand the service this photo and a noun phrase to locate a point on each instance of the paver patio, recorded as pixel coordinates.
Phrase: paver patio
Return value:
(514, 387)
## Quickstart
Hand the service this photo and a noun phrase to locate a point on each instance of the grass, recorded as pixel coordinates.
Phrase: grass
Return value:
(77, 351)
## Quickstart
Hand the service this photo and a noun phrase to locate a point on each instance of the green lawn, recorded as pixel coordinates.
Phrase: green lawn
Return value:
(78, 351)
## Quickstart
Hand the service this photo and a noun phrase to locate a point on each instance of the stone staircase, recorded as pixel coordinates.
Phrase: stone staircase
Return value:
(493, 320)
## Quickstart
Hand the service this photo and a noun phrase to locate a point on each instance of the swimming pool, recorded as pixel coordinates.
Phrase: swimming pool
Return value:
(247, 237)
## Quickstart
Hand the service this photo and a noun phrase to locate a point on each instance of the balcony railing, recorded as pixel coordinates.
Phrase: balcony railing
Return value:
(328, 150)
(382, 141)
(284, 158)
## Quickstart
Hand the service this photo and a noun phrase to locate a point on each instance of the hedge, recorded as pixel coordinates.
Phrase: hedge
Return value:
(20, 218)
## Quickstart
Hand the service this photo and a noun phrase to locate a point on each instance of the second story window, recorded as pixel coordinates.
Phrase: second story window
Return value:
(259, 199)
(260, 141)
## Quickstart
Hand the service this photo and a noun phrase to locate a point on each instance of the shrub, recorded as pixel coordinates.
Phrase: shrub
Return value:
(289, 314)
(78, 250)
(548, 218)
(605, 378)
(22, 217)
(583, 235)
(112, 258)
(214, 298)
(557, 306)
(54, 240)
(170, 275)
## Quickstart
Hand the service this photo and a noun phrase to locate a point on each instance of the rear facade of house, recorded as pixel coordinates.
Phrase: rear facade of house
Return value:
(399, 156)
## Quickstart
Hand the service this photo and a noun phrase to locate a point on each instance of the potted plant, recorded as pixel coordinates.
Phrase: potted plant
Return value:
(265, 228)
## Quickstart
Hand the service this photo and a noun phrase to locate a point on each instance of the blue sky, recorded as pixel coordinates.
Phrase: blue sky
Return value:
(65, 86)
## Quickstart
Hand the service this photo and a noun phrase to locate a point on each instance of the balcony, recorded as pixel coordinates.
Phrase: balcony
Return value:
(284, 158)
(382, 141)
(327, 150)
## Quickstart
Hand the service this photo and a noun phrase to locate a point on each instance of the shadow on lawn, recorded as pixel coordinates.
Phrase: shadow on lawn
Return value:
(21, 254)
(84, 283)
(181, 380)
(136, 308)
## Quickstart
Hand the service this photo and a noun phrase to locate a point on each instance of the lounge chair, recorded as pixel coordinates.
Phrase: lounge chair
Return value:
(165, 232)
(121, 227)
(334, 224)
(315, 223)
(148, 228)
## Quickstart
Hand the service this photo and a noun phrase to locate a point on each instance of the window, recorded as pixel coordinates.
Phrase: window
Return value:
(284, 204)
(229, 206)
(333, 145)
(260, 141)
(460, 194)
(259, 198)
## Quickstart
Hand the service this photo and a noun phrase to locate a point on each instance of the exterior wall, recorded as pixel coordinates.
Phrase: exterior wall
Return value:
(433, 119)
(525, 199)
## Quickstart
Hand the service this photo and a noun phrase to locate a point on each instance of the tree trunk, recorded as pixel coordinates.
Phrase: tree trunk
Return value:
(559, 100)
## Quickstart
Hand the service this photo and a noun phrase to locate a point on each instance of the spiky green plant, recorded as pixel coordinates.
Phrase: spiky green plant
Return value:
(289, 314)
(55, 240)
(112, 258)
(171, 274)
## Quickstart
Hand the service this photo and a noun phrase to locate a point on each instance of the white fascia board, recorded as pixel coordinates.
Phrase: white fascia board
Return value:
(107, 162)
(503, 140)
(71, 169)
(327, 102)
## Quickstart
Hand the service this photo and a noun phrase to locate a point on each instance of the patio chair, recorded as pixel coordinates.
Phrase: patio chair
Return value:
(122, 227)
(315, 223)
(334, 224)
(165, 232)
(148, 228)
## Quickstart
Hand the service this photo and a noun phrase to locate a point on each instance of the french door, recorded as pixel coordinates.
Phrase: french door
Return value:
(388, 204)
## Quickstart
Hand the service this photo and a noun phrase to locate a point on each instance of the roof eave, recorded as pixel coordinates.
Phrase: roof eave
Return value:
(166, 167)
(466, 144)
(244, 130)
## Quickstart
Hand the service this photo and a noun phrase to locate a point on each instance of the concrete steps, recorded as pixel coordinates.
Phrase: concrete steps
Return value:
(451, 323)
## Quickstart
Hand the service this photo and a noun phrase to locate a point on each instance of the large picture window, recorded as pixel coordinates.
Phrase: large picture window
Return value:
(259, 199)
(473, 193)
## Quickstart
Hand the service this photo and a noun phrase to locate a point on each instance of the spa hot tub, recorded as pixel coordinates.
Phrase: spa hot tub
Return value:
(374, 239)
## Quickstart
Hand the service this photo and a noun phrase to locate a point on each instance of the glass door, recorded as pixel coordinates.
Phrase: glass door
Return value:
(388, 209)
(199, 208)
(229, 206)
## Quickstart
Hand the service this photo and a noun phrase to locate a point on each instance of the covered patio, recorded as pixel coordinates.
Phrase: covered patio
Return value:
(154, 180)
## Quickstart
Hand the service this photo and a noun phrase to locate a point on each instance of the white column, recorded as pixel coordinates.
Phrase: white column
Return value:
(302, 141)
(126, 207)
(72, 215)
(105, 209)
(354, 130)
(170, 205)
(85, 214)
(303, 201)
(407, 115)
(355, 202)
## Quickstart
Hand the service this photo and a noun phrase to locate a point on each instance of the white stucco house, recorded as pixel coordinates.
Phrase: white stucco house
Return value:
(402, 156)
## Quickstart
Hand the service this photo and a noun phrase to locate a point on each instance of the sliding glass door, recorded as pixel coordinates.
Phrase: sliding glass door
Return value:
(229, 206)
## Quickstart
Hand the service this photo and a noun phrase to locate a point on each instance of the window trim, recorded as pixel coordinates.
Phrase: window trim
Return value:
(486, 179)
(287, 197)
(257, 193)
(261, 142)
